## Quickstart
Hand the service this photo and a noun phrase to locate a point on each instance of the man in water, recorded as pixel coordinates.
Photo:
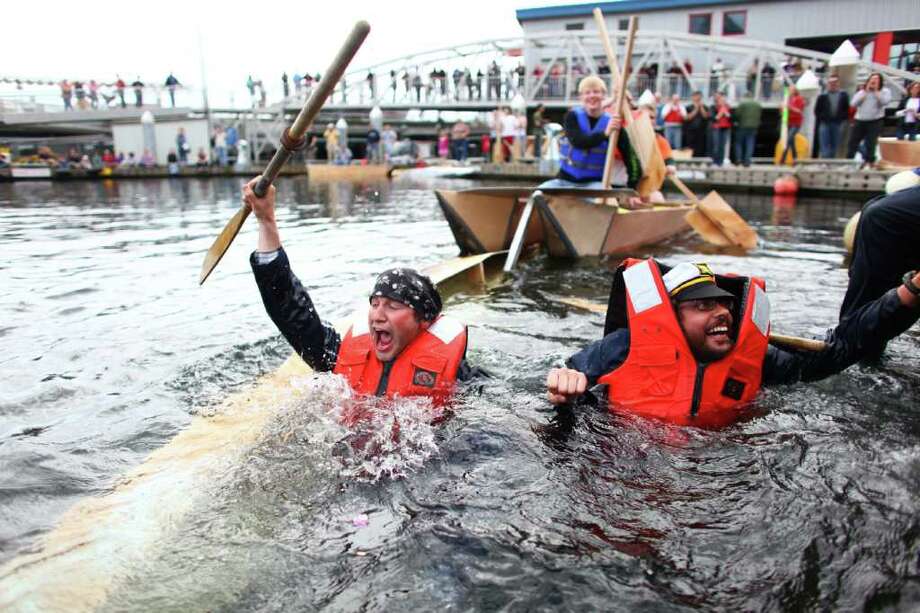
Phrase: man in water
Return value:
(884, 247)
(685, 346)
(401, 346)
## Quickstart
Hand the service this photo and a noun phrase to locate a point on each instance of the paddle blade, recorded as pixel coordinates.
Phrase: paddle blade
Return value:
(584, 303)
(728, 220)
(709, 231)
(222, 243)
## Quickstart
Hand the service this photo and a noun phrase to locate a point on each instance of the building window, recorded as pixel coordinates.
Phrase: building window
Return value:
(734, 22)
(623, 24)
(575, 26)
(701, 23)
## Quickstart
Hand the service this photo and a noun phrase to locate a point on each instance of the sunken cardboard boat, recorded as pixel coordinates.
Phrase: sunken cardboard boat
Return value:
(319, 171)
(570, 222)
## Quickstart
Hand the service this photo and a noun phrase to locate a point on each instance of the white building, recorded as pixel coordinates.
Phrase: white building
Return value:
(886, 31)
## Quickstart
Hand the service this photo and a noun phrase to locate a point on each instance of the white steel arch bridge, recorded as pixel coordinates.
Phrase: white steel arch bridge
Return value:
(545, 69)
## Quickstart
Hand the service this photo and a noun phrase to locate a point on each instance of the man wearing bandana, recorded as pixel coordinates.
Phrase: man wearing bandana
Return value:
(401, 346)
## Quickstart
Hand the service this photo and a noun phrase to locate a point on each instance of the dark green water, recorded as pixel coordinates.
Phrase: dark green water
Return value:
(110, 347)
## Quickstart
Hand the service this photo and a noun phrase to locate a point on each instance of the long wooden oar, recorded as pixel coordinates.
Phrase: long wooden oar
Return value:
(621, 79)
(795, 342)
(291, 140)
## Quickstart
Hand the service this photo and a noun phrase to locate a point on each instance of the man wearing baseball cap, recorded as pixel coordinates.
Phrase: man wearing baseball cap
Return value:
(689, 347)
(400, 346)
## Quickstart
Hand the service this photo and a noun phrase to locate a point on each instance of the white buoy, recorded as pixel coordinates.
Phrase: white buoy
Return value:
(148, 129)
(242, 155)
(518, 104)
(808, 83)
(845, 55)
(553, 132)
(647, 99)
(901, 180)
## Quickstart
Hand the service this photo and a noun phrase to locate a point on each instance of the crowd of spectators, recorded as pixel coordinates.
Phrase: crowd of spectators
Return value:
(844, 126)
(83, 95)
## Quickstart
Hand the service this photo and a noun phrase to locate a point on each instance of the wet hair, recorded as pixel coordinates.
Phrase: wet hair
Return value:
(591, 81)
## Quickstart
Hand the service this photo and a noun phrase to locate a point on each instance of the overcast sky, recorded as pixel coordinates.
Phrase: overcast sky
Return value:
(55, 39)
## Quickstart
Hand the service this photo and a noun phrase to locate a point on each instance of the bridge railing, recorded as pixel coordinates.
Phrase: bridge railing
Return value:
(556, 89)
(23, 97)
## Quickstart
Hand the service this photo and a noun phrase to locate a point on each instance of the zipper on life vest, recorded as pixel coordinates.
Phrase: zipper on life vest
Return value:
(384, 381)
(697, 389)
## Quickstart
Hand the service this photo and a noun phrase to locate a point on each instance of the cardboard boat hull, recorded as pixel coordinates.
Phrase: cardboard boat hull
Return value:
(484, 220)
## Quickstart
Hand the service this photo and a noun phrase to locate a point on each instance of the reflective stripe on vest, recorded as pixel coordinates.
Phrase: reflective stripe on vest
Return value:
(426, 367)
(660, 377)
(585, 164)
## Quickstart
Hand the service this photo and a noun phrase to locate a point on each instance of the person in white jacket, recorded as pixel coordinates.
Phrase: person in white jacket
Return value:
(870, 102)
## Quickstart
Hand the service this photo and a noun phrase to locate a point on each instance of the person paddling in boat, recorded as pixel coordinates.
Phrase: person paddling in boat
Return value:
(689, 347)
(583, 150)
(400, 346)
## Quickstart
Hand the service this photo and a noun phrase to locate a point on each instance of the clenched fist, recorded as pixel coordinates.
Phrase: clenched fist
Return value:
(565, 384)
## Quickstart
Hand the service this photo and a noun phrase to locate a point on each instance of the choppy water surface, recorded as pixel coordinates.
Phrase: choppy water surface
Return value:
(110, 348)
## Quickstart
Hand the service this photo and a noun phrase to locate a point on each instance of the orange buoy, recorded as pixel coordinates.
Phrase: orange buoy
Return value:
(786, 185)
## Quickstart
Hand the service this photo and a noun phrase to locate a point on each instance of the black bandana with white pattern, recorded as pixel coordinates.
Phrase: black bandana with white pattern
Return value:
(411, 288)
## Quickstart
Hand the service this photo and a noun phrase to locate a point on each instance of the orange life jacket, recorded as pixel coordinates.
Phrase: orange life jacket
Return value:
(426, 367)
(661, 378)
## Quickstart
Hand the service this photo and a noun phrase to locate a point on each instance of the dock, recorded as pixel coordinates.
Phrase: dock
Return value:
(38, 172)
(815, 177)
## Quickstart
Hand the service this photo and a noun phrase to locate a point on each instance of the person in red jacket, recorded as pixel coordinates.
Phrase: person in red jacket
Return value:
(400, 346)
(796, 107)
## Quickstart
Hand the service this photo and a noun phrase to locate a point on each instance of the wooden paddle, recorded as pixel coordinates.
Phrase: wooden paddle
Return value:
(795, 342)
(715, 220)
(291, 140)
(621, 83)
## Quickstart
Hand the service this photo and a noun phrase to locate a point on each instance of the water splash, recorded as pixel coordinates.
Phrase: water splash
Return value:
(372, 438)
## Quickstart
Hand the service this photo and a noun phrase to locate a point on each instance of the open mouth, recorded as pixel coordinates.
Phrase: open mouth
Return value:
(718, 332)
(383, 341)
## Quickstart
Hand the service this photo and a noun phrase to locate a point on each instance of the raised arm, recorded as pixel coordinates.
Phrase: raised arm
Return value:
(286, 300)
(859, 334)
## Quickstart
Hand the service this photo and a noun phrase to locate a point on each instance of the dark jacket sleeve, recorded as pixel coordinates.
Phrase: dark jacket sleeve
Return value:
(290, 308)
(843, 108)
(862, 333)
(601, 357)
